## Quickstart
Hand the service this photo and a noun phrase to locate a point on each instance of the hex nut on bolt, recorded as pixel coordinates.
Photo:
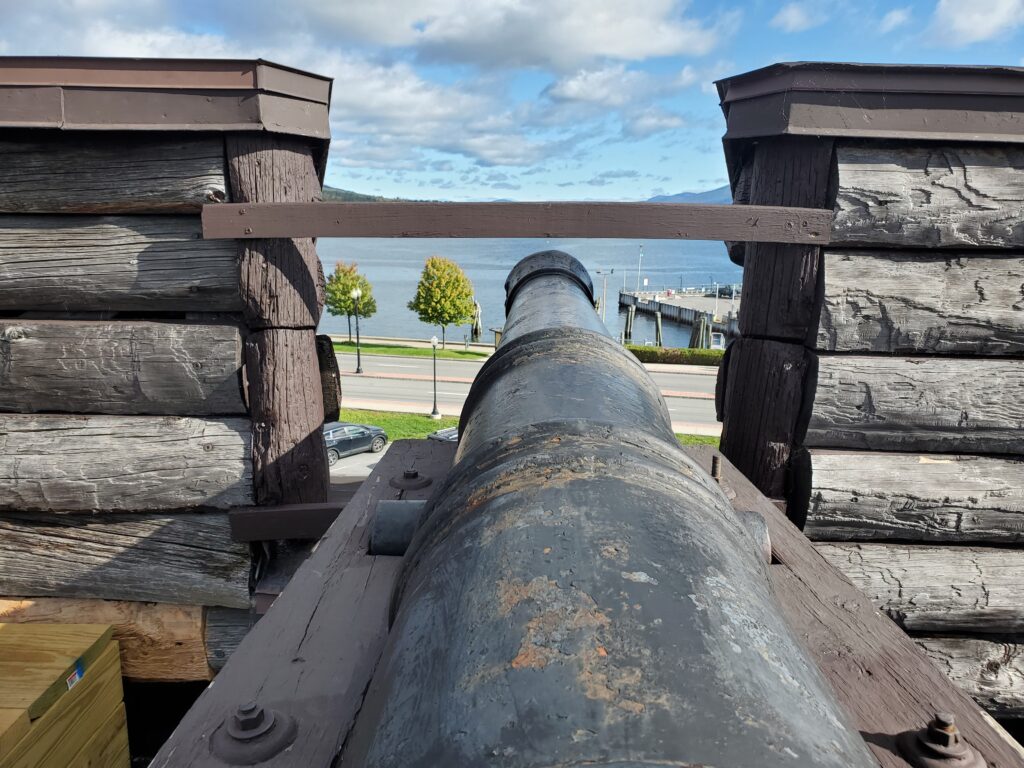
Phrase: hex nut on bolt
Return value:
(252, 734)
(939, 745)
(411, 479)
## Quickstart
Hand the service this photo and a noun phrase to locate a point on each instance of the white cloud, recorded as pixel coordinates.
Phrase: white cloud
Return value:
(651, 121)
(612, 86)
(798, 17)
(894, 19)
(958, 23)
(557, 34)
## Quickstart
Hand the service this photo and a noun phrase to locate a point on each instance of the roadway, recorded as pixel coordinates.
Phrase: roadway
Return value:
(405, 384)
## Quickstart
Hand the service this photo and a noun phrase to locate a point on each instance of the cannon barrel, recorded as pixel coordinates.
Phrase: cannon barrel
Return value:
(579, 592)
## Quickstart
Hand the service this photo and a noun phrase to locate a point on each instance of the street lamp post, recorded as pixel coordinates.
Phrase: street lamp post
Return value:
(356, 295)
(435, 414)
(639, 261)
(604, 292)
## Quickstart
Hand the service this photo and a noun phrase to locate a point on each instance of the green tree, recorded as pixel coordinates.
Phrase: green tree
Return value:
(444, 295)
(338, 293)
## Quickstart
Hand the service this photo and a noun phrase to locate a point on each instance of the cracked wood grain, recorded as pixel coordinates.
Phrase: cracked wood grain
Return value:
(920, 301)
(991, 671)
(937, 588)
(911, 404)
(948, 196)
(129, 367)
(115, 263)
(915, 497)
(106, 174)
(186, 559)
(123, 463)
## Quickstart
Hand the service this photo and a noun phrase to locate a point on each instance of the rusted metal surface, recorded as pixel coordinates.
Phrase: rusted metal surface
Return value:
(78, 93)
(581, 592)
(653, 221)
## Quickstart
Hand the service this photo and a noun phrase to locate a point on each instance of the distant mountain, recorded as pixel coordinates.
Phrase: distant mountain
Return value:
(720, 195)
(346, 196)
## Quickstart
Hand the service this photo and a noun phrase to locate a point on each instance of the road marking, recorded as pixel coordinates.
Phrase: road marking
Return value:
(455, 394)
(395, 365)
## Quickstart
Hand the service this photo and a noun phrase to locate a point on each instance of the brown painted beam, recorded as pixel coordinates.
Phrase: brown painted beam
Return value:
(652, 221)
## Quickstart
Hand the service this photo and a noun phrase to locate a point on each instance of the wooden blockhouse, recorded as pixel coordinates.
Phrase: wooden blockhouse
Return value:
(878, 384)
(151, 381)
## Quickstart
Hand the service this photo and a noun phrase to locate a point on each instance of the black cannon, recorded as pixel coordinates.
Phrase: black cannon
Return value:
(579, 592)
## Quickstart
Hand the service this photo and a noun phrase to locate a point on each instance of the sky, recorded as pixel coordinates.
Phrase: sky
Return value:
(524, 99)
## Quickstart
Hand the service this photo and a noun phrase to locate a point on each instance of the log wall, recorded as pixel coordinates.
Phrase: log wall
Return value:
(150, 381)
(878, 387)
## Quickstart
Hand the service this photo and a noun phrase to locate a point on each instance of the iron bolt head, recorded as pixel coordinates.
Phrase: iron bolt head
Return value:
(249, 716)
(411, 474)
(944, 720)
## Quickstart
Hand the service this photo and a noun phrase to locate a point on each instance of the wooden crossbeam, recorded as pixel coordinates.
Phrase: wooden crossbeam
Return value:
(647, 221)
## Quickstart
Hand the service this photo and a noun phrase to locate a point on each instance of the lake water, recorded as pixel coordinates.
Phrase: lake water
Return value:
(393, 267)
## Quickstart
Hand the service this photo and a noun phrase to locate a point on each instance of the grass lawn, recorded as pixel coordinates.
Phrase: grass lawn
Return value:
(402, 426)
(399, 426)
(397, 349)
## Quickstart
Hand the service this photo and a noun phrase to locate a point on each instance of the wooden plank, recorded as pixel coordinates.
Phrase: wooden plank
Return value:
(101, 174)
(286, 401)
(14, 724)
(123, 463)
(36, 662)
(186, 559)
(648, 221)
(157, 641)
(330, 377)
(992, 672)
(763, 408)
(914, 497)
(885, 682)
(947, 405)
(937, 589)
(917, 301)
(66, 727)
(312, 655)
(108, 747)
(281, 280)
(124, 263)
(282, 287)
(780, 282)
(135, 367)
(937, 196)
(286, 521)
(226, 628)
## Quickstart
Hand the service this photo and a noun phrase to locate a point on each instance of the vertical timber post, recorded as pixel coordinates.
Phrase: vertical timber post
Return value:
(281, 283)
(764, 414)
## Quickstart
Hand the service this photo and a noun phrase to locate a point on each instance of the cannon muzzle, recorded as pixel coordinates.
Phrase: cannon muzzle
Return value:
(579, 592)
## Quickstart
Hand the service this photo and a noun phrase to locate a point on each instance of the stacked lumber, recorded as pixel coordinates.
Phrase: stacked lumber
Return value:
(150, 382)
(879, 389)
(60, 697)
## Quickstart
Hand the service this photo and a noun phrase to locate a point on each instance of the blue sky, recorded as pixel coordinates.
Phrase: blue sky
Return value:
(524, 99)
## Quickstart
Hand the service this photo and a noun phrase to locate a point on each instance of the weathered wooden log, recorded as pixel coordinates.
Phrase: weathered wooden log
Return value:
(281, 280)
(104, 174)
(916, 301)
(127, 263)
(123, 463)
(158, 641)
(912, 497)
(780, 282)
(952, 196)
(282, 289)
(132, 367)
(286, 402)
(225, 629)
(186, 559)
(992, 672)
(916, 404)
(763, 403)
(741, 196)
(330, 377)
(938, 589)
